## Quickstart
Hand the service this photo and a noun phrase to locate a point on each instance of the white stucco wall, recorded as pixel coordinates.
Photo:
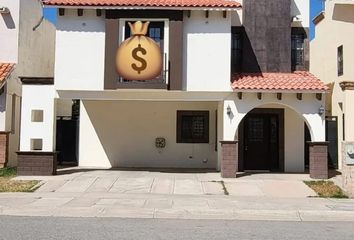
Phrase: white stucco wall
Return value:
(9, 27)
(125, 135)
(349, 115)
(80, 51)
(301, 9)
(236, 16)
(206, 52)
(37, 97)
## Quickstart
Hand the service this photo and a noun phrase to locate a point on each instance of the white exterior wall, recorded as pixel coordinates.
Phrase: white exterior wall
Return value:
(9, 25)
(122, 134)
(38, 97)
(301, 9)
(236, 16)
(80, 51)
(206, 52)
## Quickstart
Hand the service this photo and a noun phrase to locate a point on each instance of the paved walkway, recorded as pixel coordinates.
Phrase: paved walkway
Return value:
(132, 182)
(142, 194)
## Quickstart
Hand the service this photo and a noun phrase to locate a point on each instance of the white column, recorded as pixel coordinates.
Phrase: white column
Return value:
(38, 100)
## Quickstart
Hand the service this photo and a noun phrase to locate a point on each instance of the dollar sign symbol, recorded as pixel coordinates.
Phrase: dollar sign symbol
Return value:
(141, 60)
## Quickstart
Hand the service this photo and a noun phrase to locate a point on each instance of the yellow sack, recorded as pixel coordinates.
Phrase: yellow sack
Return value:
(139, 57)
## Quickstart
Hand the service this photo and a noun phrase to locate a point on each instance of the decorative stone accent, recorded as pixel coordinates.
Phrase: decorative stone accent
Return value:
(4, 148)
(318, 160)
(347, 168)
(37, 163)
(346, 85)
(229, 162)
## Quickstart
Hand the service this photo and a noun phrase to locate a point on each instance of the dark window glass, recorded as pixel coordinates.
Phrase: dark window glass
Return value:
(192, 127)
(340, 60)
(297, 50)
(236, 49)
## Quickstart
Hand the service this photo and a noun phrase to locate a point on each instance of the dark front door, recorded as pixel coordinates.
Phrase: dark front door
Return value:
(261, 142)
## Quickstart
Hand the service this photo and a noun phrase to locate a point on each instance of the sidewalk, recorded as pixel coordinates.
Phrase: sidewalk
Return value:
(144, 194)
(175, 206)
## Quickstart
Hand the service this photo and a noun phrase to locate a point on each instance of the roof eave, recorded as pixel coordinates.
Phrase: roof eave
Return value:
(143, 8)
(280, 90)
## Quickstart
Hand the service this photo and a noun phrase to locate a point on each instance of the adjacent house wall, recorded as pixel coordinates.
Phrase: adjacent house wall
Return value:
(334, 30)
(36, 45)
(9, 29)
(80, 51)
(125, 135)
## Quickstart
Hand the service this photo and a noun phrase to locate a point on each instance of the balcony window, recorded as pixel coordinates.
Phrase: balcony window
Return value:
(236, 49)
(158, 31)
(297, 51)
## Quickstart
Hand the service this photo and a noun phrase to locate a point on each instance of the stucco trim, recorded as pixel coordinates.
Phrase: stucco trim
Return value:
(37, 80)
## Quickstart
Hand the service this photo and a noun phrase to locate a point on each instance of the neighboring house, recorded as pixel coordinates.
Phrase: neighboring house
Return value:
(227, 98)
(332, 60)
(26, 49)
(6, 113)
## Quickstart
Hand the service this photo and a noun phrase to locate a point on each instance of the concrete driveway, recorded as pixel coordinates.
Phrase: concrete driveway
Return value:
(78, 180)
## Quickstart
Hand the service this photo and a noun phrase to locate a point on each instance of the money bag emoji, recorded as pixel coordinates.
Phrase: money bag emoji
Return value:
(139, 57)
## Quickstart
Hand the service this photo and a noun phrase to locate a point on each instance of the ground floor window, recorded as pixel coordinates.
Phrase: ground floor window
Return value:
(192, 126)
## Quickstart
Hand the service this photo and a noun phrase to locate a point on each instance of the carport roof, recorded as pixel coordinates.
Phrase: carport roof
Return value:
(294, 81)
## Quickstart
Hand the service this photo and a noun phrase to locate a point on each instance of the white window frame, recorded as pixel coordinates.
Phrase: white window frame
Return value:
(121, 38)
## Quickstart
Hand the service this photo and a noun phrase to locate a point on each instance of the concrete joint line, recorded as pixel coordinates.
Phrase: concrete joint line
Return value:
(114, 182)
(299, 215)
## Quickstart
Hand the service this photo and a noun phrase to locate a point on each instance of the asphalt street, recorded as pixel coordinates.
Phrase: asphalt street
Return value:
(119, 228)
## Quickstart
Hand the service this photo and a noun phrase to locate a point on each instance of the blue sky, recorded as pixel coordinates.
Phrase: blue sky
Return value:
(315, 8)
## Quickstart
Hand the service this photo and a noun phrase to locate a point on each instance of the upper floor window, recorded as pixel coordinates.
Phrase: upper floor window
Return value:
(158, 31)
(297, 51)
(236, 49)
(340, 60)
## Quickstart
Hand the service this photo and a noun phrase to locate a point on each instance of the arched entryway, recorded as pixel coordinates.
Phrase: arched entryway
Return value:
(272, 137)
(280, 142)
(261, 140)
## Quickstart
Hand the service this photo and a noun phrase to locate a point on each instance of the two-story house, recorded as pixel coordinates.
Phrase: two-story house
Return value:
(332, 59)
(26, 49)
(234, 93)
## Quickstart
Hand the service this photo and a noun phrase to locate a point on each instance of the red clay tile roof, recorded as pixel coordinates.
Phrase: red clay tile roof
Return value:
(147, 3)
(299, 80)
(5, 70)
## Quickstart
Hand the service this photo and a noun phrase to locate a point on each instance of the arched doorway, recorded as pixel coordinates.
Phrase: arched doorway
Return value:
(261, 140)
(272, 138)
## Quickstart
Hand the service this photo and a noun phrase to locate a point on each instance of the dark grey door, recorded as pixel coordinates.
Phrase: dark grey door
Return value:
(261, 142)
(332, 138)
